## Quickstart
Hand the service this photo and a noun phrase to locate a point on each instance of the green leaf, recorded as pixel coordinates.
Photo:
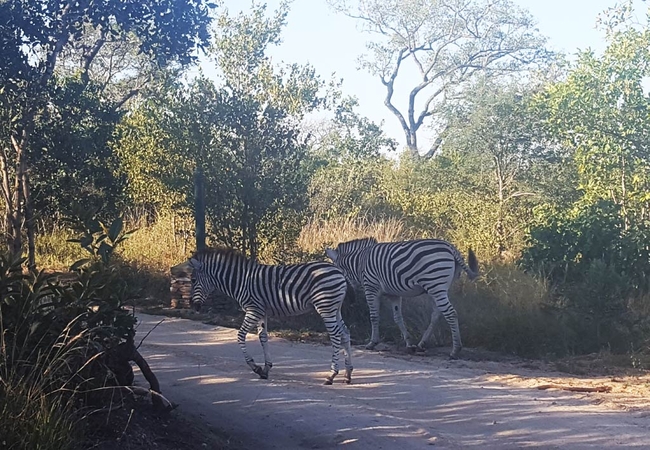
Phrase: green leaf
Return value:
(115, 229)
(105, 250)
(78, 264)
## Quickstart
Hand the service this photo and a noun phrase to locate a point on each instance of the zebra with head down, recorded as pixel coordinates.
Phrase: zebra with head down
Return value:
(405, 269)
(280, 291)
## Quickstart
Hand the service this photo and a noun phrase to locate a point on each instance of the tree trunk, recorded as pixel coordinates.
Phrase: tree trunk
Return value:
(412, 143)
(19, 209)
(29, 223)
(14, 233)
(7, 194)
(199, 208)
(626, 221)
(252, 239)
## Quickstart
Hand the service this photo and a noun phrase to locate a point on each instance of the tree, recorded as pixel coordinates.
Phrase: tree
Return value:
(601, 112)
(39, 32)
(348, 135)
(261, 184)
(447, 43)
(240, 134)
(348, 153)
(501, 137)
(239, 51)
(258, 177)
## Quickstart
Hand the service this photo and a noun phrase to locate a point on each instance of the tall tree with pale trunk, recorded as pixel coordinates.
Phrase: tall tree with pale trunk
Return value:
(437, 47)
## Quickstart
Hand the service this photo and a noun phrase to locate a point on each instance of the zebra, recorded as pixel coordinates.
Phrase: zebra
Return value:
(405, 269)
(280, 291)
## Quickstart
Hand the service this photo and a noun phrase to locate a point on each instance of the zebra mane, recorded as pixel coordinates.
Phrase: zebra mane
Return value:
(356, 244)
(223, 251)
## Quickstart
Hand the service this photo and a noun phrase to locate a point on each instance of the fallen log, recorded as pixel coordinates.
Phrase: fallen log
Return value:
(123, 355)
(575, 388)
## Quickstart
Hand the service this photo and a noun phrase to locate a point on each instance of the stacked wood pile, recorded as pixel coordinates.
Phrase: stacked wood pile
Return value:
(181, 286)
(181, 292)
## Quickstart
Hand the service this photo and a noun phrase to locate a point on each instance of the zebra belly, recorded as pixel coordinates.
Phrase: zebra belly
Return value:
(288, 309)
(413, 291)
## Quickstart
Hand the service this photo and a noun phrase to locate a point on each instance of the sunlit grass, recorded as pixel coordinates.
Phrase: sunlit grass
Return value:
(505, 310)
(316, 235)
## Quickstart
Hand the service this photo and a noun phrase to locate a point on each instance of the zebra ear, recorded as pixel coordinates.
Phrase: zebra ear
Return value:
(195, 264)
(332, 254)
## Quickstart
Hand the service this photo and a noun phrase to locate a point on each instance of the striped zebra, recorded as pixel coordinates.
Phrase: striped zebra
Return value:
(405, 269)
(279, 291)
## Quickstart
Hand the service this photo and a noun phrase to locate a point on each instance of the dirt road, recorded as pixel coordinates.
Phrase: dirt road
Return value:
(392, 404)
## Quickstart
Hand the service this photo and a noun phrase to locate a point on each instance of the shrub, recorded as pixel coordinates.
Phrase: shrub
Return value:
(59, 338)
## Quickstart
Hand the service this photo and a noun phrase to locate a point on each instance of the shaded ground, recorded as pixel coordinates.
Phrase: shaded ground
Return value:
(138, 426)
(396, 401)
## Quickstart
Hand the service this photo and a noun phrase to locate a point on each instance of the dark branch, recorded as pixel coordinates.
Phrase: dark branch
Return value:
(90, 56)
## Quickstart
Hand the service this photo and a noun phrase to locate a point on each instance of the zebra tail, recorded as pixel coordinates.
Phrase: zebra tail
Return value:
(472, 270)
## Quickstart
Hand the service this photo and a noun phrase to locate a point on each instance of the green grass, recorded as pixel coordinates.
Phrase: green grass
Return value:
(33, 419)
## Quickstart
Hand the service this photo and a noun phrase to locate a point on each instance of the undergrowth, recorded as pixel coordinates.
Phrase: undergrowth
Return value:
(506, 309)
(61, 337)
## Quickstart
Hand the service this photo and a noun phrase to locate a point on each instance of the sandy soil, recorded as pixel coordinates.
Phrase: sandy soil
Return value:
(395, 401)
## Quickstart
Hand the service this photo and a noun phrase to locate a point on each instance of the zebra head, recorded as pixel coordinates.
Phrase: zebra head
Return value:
(202, 283)
(348, 257)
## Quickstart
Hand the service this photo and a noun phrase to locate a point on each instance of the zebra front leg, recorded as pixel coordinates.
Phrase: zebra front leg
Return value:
(372, 297)
(435, 316)
(264, 339)
(399, 320)
(251, 319)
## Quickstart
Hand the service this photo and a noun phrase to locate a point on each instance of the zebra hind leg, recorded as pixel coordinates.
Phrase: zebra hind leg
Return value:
(450, 315)
(334, 330)
(345, 338)
(435, 316)
(372, 298)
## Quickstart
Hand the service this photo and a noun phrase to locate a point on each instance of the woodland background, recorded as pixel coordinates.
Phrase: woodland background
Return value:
(539, 164)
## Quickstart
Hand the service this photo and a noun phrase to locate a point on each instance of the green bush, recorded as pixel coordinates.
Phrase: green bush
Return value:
(58, 338)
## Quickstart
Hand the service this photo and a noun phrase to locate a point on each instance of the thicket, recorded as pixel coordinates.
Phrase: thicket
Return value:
(68, 70)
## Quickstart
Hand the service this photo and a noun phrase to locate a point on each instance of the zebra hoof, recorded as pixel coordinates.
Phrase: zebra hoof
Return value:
(347, 380)
(259, 371)
(411, 348)
(454, 356)
(328, 381)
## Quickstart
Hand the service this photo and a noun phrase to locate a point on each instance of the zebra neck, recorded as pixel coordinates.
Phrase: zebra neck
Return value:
(359, 262)
(233, 279)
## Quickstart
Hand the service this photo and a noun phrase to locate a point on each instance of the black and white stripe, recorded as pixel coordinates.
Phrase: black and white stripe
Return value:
(279, 291)
(405, 269)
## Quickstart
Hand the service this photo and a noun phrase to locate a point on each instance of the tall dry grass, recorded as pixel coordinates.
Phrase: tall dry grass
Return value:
(505, 309)
(316, 235)
(159, 245)
(41, 382)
